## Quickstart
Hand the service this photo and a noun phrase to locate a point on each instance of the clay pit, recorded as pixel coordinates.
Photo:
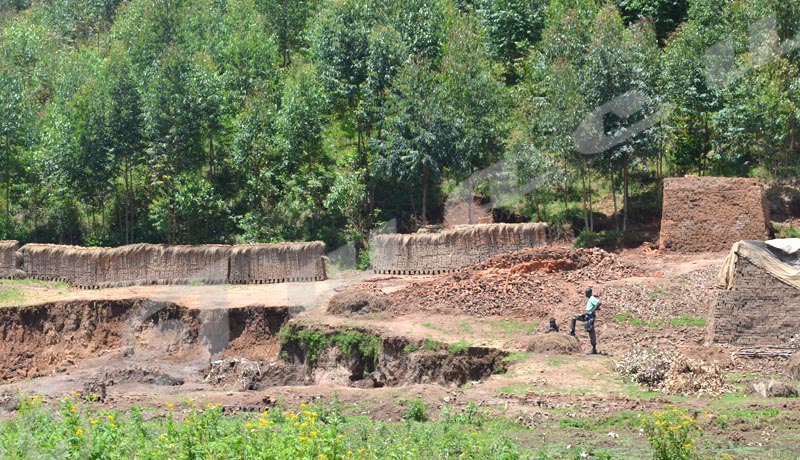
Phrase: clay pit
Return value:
(99, 348)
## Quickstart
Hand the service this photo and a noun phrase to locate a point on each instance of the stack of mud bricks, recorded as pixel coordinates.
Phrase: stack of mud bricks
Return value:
(277, 263)
(453, 249)
(758, 310)
(711, 213)
(91, 268)
(8, 259)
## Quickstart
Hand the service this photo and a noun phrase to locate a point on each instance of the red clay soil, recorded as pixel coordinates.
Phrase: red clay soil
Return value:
(532, 282)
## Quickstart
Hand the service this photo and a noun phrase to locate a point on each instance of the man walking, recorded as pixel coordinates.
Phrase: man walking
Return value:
(588, 319)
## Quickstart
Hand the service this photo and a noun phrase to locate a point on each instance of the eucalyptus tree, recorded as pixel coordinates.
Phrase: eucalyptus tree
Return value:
(513, 27)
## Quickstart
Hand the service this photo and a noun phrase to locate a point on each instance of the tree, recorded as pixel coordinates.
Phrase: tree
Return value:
(477, 99)
(287, 19)
(421, 135)
(513, 27)
(123, 119)
(15, 119)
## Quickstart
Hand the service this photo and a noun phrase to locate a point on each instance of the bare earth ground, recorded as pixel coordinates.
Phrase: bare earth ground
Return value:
(644, 305)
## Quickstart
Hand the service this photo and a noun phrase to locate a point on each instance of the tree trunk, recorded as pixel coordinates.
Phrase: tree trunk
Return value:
(583, 199)
(425, 174)
(591, 211)
(614, 199)
(625, 192)
(128, 200)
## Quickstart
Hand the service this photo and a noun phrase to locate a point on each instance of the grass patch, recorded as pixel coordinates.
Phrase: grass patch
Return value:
(660, 291)
(555, 362)
(458, 348)
(516, 357)
(431, 345)
(629, 319)
(465, 327)
(517, 389)
(687, 320)
(624, 419)
(11, 296)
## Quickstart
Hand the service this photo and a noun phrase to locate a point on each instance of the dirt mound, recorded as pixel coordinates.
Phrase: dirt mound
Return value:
(792, 368)
(771, 389)
(141, 375)
(358, 301)
(554, 343)
(533, 282)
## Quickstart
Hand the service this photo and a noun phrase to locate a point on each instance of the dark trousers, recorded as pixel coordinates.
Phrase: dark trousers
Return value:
(585, 317)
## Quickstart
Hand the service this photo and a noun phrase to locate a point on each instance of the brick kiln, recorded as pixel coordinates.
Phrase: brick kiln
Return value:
(452, 249)
(711, 213)
(760, 300)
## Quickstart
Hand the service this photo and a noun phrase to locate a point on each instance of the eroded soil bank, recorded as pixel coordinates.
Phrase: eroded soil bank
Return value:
(141, 345)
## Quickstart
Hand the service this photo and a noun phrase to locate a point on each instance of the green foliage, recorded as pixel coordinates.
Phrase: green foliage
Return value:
(417, 411)
(786, 231)
(271, 120)
(687, 320)
(672, 433)
(431, 345)
(188, 431)
(457, 348)
(313, 342)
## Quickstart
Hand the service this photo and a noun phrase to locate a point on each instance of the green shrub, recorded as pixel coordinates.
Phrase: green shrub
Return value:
(458, 348)
(786, 231)
(417, 411)
(587, 239)
(672, 434)
(430, 345)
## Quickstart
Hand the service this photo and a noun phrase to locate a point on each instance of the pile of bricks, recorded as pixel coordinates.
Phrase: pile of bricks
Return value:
(758, 310)
(452, 249)
(711, 213)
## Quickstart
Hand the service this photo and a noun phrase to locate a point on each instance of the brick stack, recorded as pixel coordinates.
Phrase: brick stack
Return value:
(91, 268)
(711, 213)
(452, 249)
(8, 258)
(277, 263)
(758, 310)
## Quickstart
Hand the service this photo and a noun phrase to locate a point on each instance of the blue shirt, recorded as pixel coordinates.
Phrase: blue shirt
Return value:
(592, 304)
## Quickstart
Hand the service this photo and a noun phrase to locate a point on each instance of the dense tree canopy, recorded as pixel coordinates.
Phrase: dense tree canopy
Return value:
(190, 121)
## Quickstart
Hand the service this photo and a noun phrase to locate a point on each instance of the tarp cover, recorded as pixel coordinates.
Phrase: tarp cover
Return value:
(780, 258)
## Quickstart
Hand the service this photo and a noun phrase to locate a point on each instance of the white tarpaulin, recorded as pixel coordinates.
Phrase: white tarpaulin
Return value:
(779, 258)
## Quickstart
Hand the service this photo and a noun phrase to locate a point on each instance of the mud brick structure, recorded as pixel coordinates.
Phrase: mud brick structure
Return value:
(138, 264)
(711, 213)
(8, 258)
(759, 309)
(277, 263)
(452, 249)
